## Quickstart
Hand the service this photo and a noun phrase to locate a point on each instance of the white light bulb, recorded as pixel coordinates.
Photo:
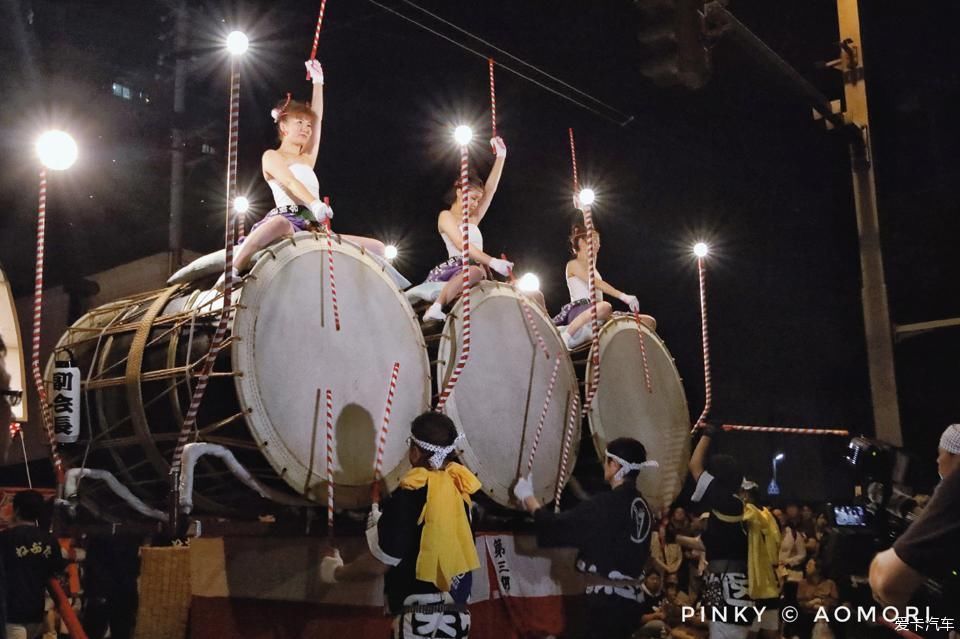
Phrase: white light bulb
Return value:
(529, 283)
(237, 42)
(700, 249)
(587, 197)
(241, 204)
(57, 150)
(463, 134)
(390, 252)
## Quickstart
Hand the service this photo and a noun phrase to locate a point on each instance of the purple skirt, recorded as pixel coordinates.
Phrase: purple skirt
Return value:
(445, 270)
(571, 311)
(289, 213)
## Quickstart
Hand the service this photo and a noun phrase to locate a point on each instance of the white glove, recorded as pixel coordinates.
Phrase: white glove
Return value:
(328, 568)
(499, 147)
(374, 517)
(631, 301)
(523, 488)
(503, 267)
(321, 211)
(576, 202)
(315, 71)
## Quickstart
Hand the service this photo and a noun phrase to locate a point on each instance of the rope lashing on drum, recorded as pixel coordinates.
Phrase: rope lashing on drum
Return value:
(527, 313)
(45, 413)
(329, 428)
(643, 353)
(384, 428)
(593, 379)
(333, 279)
(316, 33)
(190, 420)
(465, 271)
(707, 385)
(572, 416)
(543, 415)
(788, 431)
(493, 100)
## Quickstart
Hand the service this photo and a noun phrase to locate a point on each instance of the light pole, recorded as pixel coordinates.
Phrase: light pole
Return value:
(774, 488)
(57, 151)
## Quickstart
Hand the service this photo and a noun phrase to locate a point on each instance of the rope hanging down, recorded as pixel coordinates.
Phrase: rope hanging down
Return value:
(384, 428)
(543, 415)
(329, 429)
(573, 415)
(643, 353)
(707, 382)
(316, 33)
(493, 101)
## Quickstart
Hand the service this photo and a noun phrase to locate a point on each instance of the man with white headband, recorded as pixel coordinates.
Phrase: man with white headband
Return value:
(422, 542)
(611, 533)
(930, 549)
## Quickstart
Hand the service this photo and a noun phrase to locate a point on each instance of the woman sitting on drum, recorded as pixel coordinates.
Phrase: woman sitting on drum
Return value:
(288, 171)
(449, 221)
(574, 317)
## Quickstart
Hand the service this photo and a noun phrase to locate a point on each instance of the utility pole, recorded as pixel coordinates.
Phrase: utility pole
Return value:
(182, 30)
(876, 312)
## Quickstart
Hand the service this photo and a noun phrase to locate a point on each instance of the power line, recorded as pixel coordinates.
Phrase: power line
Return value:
(622, 120)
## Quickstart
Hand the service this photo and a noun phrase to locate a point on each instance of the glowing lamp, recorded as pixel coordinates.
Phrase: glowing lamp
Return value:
(463, 134)
(57, 150)
(390, 252)
(237, 42)
(241, 204)
(529, 283)
(700, 249)
(587, 197)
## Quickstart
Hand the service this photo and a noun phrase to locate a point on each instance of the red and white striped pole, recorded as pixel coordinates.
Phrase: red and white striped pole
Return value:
(528, 314)
(464, 268)
(493, 101)
(787, 431)
(543, 415)
(572, 416)
(643, 353)
(384, 427)
(190, 419)
(333, 277)
(57, 152)
(593, 380)
(316, 33)
(329, 426)
(701, 252)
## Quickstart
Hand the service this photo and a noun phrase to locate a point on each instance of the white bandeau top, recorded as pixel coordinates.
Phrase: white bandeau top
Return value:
(306, 176)
(580, 290)
(476, 239)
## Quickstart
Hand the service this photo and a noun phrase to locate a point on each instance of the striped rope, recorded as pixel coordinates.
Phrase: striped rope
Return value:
(465, 270)
(384, 427)
(333, 278)
(493, 99)
(789, 431)
(572, 416)
(543, 415)
(190, 420)
(707, 381)
(573, 161)
(45, 413)
(643, 353)
(527, 313)
(316, 33)
(329, 425)
(593, 381)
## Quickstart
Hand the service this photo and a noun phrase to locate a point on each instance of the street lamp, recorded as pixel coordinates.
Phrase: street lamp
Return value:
(774, 488)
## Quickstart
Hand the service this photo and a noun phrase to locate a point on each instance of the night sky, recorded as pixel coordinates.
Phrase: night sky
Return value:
(739, 163)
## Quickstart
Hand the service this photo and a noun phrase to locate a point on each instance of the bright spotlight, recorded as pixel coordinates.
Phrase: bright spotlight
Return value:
(700, 249)
(237, 42)
(529, 283)
(241, 204)
(390, 252)
(463, 134)
(779, 457)
(57, 150)
(587, 197)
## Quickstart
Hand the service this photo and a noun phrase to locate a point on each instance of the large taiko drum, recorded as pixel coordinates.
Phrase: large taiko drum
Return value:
(140, 357)
(624, 407)
(498, 400)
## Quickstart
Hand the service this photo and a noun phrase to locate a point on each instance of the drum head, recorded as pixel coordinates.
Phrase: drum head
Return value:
(290, 352)
(623, 407)
(498, 400)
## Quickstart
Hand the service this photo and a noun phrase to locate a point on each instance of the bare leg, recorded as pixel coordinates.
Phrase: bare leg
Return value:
(603, 314)
(266, 234)
(454, 286)
(368, 243)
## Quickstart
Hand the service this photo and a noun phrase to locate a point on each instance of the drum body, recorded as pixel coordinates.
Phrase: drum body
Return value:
(624, 407)
(140, 358)
(498, 400)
